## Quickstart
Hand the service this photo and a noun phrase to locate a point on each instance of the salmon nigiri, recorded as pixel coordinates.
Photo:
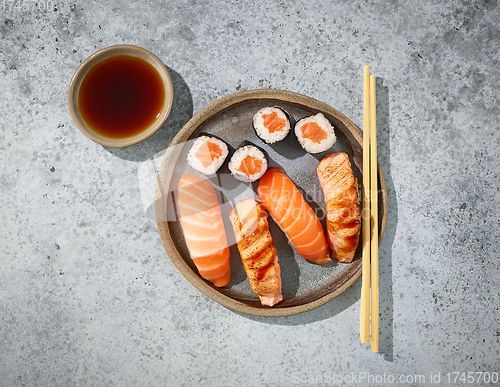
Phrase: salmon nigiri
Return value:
(343, 216)
(203, 229)
(285, 203)
(257, 251)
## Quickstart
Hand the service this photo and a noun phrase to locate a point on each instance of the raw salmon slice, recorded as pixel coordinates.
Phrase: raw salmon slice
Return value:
(203, 228)
(248, 163)
(208, 152)
(257, 251)
(313, 132)
(279, 195)
(343, 215)
(273, 123)
(250, 166)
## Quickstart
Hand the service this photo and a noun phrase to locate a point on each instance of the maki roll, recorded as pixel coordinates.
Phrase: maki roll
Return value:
(248, 164)
(207, 154)
(315, 133)
(271, 124)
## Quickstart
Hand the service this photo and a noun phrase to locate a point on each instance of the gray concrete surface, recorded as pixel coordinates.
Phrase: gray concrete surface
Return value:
(87, 293)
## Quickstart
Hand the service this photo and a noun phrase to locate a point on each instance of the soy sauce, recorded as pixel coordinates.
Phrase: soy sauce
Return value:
(121, 96)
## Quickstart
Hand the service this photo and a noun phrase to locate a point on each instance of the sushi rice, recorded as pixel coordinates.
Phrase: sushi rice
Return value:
(315, 133)
(248, 164)
(207, 154)
(271, 124)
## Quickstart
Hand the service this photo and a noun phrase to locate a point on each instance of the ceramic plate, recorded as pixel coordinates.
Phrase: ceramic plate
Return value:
(305, 285)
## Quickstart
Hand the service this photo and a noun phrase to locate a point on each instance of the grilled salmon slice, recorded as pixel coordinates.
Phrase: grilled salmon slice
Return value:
(343, 215)
(257, 251)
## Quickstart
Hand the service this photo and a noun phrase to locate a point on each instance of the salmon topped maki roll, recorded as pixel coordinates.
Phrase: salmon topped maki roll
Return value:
(315, 133)
(343, 215)
(257, 251)
(207, 154)
(279, 195)
(271, 124)
(203, 228)
(248, 163)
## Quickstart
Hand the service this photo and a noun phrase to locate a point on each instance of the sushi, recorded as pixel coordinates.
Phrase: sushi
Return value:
(207, 154)
(315, 133)
(279, 195)
(257, 251)
(203, 228)
(271, 124)
(343, 215)
(248, 163)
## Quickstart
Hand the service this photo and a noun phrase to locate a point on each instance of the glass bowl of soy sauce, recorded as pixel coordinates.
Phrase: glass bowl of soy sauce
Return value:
(120, 96)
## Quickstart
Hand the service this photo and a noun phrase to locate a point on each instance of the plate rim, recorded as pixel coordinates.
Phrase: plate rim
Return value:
(167, 167)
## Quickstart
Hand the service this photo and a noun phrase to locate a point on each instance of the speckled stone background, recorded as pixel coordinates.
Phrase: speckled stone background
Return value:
(87, 293)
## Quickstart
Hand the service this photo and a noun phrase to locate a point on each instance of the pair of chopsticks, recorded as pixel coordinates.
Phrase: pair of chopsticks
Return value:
(369, 216)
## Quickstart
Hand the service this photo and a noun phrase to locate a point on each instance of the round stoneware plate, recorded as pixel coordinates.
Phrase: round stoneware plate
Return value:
(305, 285)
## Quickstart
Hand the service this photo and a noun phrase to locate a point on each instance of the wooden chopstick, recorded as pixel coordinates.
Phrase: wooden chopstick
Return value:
(374, 217)
(364, 326)
(370, 216)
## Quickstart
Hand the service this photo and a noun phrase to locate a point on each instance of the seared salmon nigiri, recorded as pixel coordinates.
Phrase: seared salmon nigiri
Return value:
(279, 195)
(203, 229)
(256, 247)
(343, 215)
